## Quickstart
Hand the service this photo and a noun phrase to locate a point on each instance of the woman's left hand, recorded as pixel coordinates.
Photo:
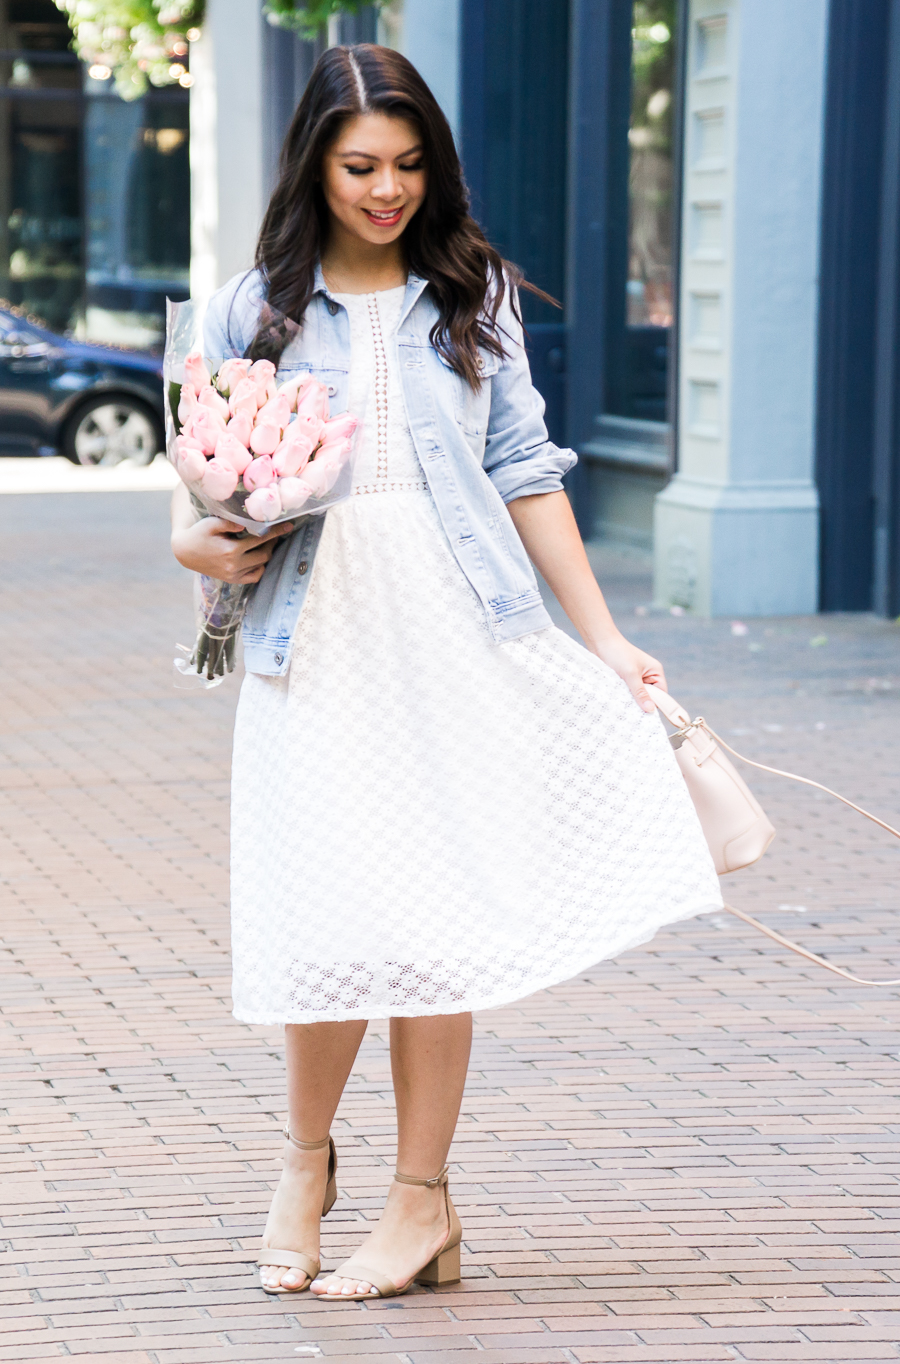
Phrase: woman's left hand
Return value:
(633, 666)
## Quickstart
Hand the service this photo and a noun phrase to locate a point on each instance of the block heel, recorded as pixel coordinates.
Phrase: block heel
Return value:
(441, 1269)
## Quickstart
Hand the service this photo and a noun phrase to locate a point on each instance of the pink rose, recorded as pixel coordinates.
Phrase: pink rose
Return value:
(230, 451)
(294, 451)
(186, 403)
(230, 374)
(264, 504)
(208, 397)
(219, 480)
(262, 372)
(240, 426)
(195, 372)
(313, 426)
(313, 401)
(339, 428)
(264, 440)
(205, 426)
(320, 475)
(259, 473)
(276, 412)
(191, 463)
(244, 398)
(335, 451)
(293, 389)
(294, 492)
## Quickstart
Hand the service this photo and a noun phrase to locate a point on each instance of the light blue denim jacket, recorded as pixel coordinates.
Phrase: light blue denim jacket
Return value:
(478, 451)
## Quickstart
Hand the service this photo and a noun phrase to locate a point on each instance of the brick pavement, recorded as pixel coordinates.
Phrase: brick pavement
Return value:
(684, 1155)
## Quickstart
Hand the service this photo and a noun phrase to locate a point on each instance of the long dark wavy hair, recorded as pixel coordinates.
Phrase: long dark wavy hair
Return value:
(443, 244)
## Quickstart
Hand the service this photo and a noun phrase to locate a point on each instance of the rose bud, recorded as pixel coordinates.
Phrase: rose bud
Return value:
(339, 428)
(219, 480)
(244, 398)
(264, 504)
(191, 464)
(313, 401)
(208, 397)
(276, 412)
(229, 450)
(262, 372)
(294, 451)
(335, 451)
(205, 426)
(186, 403)
(259, 473)
(320, 475)
(240, 426)
(294, 492)
(264, 440)
(195, 372)
(230, 374)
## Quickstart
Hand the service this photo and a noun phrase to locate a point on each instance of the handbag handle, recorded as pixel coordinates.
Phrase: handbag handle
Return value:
(677, 715)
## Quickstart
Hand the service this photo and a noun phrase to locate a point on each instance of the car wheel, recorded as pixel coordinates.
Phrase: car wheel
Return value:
(111, 429)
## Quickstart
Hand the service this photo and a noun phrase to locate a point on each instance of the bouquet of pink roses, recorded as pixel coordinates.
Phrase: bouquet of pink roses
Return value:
(252, 452)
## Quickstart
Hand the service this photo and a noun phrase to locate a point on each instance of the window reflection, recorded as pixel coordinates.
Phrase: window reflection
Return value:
(649, 287)
(138, 227)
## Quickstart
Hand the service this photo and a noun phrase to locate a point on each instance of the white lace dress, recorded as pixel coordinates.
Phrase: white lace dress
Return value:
(424, 821)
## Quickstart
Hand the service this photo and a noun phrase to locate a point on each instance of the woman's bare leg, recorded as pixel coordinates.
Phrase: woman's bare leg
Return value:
(319, 1059)
(429, 1059)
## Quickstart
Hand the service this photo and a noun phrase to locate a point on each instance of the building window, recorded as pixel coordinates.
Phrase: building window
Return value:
(138, 245)
(641, 275)
(41, 227)
(94, 192)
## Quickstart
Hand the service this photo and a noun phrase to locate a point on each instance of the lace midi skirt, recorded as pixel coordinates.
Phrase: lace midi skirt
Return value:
(426, 822)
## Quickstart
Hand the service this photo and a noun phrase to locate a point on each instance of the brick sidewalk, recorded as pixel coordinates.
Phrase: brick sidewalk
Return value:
(684, 1155)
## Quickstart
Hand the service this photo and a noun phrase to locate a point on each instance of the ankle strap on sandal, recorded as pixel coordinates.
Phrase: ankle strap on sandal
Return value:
(434, 1183)
(304, 1145)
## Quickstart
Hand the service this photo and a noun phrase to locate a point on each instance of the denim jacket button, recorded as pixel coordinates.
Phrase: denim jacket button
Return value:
(279, 658)
(331, 390)
(302, 567)
(332, 306)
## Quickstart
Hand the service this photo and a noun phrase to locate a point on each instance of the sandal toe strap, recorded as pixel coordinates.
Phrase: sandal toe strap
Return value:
(363, 1274)
(290, 1259)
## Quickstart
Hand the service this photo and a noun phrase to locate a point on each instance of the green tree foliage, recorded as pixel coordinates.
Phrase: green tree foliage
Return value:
(136, 41)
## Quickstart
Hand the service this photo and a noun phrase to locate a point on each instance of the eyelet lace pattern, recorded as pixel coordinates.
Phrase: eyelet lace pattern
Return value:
(387, 461)
(424, 821)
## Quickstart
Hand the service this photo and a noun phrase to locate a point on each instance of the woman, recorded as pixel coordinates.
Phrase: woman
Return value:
(440, 802)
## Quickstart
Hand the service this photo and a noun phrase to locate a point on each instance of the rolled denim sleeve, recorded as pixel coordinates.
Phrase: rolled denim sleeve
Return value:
(519, 458)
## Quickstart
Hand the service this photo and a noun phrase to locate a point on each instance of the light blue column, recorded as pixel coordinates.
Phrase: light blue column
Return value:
(431, 41)
(737, 528)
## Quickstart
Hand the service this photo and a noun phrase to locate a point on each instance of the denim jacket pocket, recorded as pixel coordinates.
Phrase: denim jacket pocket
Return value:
(335, 380)
(471, 407)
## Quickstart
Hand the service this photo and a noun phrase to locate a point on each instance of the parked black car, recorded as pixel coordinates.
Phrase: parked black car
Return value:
(93, 404)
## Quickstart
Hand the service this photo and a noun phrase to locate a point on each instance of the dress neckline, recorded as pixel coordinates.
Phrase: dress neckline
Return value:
(372, 293)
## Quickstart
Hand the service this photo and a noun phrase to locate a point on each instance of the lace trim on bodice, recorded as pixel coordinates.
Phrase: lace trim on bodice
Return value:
(387, 461)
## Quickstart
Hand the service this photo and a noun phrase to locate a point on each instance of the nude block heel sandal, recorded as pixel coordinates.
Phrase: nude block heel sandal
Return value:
(442, 1268)
(295, 1259)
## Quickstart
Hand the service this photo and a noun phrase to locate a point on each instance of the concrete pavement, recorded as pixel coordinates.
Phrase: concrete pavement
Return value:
(688, 1154)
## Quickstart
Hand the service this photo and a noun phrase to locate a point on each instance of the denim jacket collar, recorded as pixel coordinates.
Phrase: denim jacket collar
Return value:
(415, 287)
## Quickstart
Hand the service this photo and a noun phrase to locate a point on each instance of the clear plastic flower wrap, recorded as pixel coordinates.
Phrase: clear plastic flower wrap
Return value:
(251, 451)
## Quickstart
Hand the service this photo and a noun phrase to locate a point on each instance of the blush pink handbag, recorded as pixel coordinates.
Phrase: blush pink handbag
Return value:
(734, 823)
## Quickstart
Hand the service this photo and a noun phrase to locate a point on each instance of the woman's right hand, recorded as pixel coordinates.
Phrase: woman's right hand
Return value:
(221, 549)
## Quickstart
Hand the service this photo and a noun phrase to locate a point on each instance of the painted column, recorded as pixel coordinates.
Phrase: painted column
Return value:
(228, 152)
(736, 531)
(431, 41)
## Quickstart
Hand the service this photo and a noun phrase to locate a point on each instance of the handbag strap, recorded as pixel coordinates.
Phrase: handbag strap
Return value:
(676, 715)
